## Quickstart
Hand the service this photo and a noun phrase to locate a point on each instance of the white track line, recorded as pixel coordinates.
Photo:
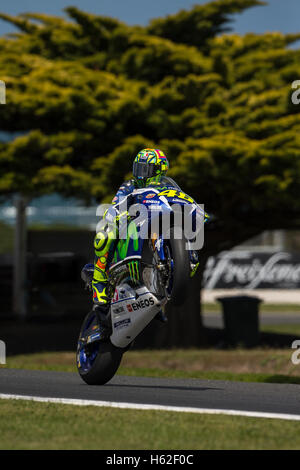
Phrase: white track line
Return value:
(140, 406)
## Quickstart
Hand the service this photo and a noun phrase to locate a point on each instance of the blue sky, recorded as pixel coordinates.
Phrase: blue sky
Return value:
(279, 15)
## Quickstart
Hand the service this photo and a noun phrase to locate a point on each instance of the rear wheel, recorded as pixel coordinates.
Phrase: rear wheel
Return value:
(98, 361)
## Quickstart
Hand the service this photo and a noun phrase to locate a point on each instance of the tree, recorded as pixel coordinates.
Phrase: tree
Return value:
(89, 93)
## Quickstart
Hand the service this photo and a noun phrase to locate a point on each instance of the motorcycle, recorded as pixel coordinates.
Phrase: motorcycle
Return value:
(146, 273)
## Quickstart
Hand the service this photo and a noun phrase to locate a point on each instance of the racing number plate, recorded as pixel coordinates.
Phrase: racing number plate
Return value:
(176, 193)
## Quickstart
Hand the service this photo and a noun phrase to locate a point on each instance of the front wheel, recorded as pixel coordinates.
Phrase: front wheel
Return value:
(97, 361)
(172, 277)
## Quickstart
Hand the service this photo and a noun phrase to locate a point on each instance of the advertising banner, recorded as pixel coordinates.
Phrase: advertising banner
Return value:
(253, 270)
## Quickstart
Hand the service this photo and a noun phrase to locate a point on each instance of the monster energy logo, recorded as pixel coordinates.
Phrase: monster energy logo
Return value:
(133, 268)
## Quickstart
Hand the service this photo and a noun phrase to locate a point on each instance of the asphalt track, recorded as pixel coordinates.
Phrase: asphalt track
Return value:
(181, 393)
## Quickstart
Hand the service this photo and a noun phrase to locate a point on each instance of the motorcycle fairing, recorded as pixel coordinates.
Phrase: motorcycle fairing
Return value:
(131, 311)
(156, 199)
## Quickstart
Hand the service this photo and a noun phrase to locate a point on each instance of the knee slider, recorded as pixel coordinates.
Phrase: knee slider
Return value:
(100, 241)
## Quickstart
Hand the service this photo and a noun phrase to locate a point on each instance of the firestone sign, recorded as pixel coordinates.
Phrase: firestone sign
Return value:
(260, 270)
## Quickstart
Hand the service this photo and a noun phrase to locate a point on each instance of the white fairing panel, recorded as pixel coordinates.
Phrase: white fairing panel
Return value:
(130, 315)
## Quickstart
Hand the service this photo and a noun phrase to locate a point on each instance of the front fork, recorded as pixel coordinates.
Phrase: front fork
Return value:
(158, 246)
(194, 262)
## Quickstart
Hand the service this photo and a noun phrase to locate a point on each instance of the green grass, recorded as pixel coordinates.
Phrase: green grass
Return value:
(31, 425)
(282, 328)
(264, 307)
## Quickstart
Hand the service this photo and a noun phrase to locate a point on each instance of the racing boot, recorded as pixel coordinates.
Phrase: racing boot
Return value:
(101, 308)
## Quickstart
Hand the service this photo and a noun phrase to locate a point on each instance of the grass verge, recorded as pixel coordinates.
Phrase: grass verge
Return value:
(263, 308)
(255, 365)
(28, 425)
(282, 329)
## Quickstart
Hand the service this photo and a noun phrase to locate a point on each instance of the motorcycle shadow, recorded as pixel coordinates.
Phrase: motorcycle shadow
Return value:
(156, 387)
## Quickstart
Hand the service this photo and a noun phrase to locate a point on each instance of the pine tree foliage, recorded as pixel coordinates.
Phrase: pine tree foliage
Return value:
(86, 93)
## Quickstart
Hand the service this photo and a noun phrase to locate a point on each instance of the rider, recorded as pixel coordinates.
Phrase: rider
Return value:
(149, 169)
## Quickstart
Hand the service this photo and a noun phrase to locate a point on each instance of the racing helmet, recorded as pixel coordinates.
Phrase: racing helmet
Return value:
(149, 166)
